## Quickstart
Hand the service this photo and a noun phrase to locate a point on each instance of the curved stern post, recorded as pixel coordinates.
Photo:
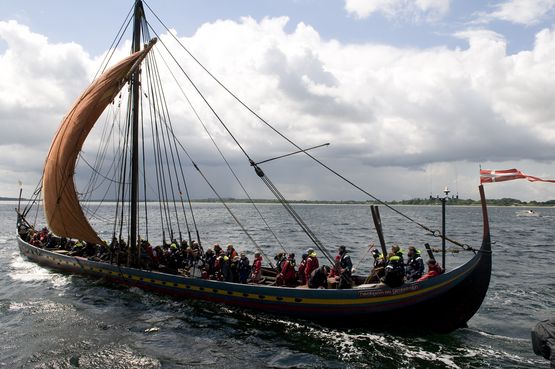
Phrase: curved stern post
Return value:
(486, 240)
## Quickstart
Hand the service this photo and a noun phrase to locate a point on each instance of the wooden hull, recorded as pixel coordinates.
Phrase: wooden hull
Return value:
(440, 304)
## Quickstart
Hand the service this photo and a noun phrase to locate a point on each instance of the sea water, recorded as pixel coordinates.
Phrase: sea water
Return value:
(55, 320)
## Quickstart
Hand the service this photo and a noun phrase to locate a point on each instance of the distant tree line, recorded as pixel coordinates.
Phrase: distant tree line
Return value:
(506, 201)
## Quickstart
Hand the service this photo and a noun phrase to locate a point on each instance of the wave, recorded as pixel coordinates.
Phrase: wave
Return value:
(27, 271)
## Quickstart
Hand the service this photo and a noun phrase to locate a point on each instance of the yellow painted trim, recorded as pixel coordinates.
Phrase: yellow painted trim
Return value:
(304, 301)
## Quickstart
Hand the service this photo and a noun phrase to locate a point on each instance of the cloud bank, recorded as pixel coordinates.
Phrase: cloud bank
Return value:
(525, 12)
(394, 116)
(414, 10)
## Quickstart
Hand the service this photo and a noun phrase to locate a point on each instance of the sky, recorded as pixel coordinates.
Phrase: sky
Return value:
(412, 95)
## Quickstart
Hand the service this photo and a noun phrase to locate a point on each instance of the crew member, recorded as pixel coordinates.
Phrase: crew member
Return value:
(244, 268)
(433, 270)
(311, 263)
(302, 268)
(415, 265)
(378, 271)
(288, 275)
(345, 268)
(319, 277)
(256, 274)
(394, 272)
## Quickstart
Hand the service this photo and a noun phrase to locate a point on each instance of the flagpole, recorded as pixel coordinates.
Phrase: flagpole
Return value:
(443, 202)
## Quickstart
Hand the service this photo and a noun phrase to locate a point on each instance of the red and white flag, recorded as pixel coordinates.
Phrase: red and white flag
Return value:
(489, 176)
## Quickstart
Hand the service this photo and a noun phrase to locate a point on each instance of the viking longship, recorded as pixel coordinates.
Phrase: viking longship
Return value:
(148, 162)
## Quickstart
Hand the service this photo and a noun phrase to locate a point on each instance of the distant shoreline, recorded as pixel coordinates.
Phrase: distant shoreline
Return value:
(430, 202)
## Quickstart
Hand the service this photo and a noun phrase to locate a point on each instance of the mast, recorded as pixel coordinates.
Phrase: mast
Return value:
(135, 95)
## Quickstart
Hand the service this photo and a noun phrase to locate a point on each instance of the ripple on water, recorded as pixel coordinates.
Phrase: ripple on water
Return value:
(86, 355)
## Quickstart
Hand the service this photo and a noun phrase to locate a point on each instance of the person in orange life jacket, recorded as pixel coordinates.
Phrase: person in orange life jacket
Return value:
(319, 277)
(311, 263)
(433, 271)
(256, 273)
(302, 267)
(231, 253)
(288, 275)
(415, 265)
(345, 267)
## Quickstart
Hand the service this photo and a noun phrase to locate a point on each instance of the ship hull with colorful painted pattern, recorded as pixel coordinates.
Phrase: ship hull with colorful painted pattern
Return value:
(440, 304)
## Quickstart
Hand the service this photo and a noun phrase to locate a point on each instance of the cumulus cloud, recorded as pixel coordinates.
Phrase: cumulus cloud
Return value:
(415, 10)
(38, 81)
(526, 12)
(390, 113)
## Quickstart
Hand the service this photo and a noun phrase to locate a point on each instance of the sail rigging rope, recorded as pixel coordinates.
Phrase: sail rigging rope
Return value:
(115, 42)
(223, 157)
(165, 119)
(434, 233)
(270, 186)
(294, 214)
(170, 134)
(245, 231)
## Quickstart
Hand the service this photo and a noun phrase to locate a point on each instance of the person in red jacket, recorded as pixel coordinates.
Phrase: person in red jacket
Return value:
(433, 270)
(288, 275)
(302, 266)
(333, 272)
(256, 274)
(311, 263)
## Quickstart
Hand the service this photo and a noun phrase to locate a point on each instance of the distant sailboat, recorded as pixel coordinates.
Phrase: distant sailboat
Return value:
(443, 303)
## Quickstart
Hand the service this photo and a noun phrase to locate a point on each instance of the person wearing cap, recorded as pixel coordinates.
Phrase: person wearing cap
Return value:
(288, 275)
(415, 265)
(344, 268)
(311, 263)
(433, 271)
(256, 274)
